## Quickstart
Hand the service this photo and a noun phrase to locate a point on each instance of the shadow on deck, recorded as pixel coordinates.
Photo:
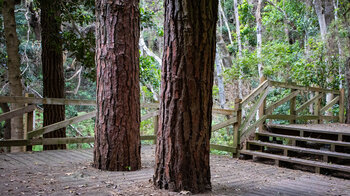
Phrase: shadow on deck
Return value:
(69, 172)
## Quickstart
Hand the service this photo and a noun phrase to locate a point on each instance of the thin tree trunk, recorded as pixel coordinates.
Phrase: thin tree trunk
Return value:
(220, 81)
(117, 129)
(52, 64)
(340, 52)
(259, 37)
(347, 77)
(13, 64)
(182, 152)
(226, 22)
(239, 43)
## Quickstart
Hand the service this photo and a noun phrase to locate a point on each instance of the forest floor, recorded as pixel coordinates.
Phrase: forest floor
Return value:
(70, 173)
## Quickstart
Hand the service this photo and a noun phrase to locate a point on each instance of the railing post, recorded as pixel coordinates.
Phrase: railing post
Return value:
(262, 108)
(29, 122)
(341, 106)
(317, 108)
(155, 125)
(236, 126)
(292, 108)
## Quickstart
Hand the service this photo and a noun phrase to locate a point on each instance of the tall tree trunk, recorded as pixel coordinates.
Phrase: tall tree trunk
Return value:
(340, 52)
(221, 11)
(182, 152)
(323, 9)
(52, 63)
(13, 64)
(239, 43)
(347, 77)
(259, 37)
(220, 80)
(117, 129)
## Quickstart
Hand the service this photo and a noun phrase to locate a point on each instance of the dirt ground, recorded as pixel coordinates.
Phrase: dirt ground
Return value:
(70, 173)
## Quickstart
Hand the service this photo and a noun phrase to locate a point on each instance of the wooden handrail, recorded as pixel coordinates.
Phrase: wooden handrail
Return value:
(311, 101)
(17, 112)
(282, 101)
(303, 88)
(255, 92)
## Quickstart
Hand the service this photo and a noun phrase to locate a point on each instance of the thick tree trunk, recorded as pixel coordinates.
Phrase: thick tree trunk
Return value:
(117, 129)
(52, 63)
(182, 152)
(13, 64)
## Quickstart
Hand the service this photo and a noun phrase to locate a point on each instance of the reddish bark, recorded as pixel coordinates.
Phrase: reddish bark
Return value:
(52, 64)
(182, 152)
(117, 130)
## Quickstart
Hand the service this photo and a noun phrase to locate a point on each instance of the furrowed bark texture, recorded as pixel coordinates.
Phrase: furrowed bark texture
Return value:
(117, 130)
(52, 64)
(182, 152)
(13, 64)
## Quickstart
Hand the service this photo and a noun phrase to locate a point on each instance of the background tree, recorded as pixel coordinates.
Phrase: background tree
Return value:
(182, 152)
(52, 67)
(117, 131)
(13, 64)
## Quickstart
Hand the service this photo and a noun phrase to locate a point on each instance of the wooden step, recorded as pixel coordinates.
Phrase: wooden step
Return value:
(315, 164)
(306, 139)
(301, 150)
(310, 129)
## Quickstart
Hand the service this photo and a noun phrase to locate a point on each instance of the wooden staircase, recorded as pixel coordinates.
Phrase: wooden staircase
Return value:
(310, 149)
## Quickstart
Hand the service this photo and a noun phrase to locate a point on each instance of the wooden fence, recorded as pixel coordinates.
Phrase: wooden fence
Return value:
(243, 126)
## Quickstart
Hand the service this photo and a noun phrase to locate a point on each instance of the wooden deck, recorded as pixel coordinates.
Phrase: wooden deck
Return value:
(69, 172)
(326, 128)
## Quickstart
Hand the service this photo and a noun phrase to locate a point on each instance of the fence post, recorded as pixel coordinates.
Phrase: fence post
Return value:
(292, 106)
(155, 125)
(236, 126)
(341, 105)
(317, 108)
(262, 108)
(29, 122)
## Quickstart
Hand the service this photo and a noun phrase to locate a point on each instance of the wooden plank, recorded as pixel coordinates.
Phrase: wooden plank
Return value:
(150, 105)
(149, 115)
(224, 111)
(282, 101)
(253, 127)
(223, 148)
(311, 101)
(306, 139)
(17, 112)
(301, 150)
(8, 143)
(297, 160)
(330, 104)
(148, 137)
(294, 117)
(226, 123)
(53, 101)
(236, 133)
(255, 92)
(59, 125)
(303, 88)
(309, 128)
(255, 108)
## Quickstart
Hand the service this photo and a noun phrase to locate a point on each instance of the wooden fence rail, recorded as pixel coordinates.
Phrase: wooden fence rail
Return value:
(243, 126)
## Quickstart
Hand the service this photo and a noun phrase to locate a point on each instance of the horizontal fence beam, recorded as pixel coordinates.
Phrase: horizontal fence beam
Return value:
(223, 148)
(51, 101)
(303, 88)
(17, 112)
(52, 141)
(294, 117)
